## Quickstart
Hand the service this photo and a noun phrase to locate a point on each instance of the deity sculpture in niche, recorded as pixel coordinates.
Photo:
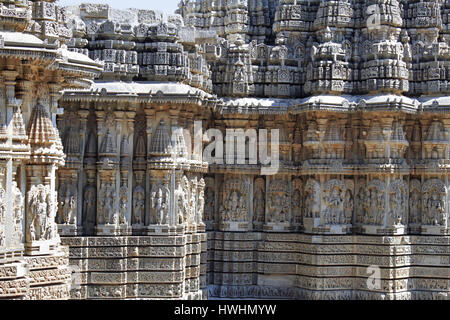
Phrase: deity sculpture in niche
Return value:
(415, 202)
(333, 199)
(296, 205)
(41, 224)
(312, 199)
(138, 205)
(278, 205)
(397, 202)
(192, 218)
(208, 214)
(259, 205)
(106, 210)
(17, 213)
(89, 210)
(67, 204)
(183, 210)
(374, 205)
(348, 207)
(200, 200)
(123, 205)
(361, 200)
(180, 208)
(234, 205)
(434, 203)
(159, 207)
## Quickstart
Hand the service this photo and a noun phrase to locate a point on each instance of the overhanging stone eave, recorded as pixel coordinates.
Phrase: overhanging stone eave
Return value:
(99, 91)
(29, 53)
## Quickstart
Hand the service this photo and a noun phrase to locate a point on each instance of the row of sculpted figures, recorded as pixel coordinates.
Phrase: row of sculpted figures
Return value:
(109, 205)
(381, 202)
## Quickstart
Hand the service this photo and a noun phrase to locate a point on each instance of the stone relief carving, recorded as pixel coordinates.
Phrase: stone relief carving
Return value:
(333, 200)
(398, 202)
(312, 199)
(67, 201)
(107, 204)
(138, 205)
(278, 204)
(259, 201)
(200, 200)
(193, 213)
(18, 206)
(208, 214)
(373, 200)
(89, 205)
(415, 201)
(183, 209)
(434, 203)
(234, 203)
(374, 61)
(41, 216)
(297, 201)
(159, 204)
(123, 205)
(2, 216)
(361, 199)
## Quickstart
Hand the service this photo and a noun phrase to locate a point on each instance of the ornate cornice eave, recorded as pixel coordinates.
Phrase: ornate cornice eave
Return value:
(192, 97)
(70, 64)
(344, 104)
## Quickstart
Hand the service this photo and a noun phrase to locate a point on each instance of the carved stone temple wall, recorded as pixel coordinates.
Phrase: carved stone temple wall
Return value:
(35, 65)
(108, 180)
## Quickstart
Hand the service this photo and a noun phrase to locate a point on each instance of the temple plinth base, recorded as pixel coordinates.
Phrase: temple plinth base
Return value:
(278, 227)
(68, 230)
(41, 247)
(382, 230)
(311, 224)
(434, 230)
(113, 230)
(163, 229)
(234, 226)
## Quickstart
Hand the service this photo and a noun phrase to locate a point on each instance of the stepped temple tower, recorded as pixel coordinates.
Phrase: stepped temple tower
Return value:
(107, 118)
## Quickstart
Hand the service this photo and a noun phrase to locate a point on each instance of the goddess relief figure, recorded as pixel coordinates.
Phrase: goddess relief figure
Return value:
(139, 205)
(40, 224)
(89, 205)
(160, 206)
(258, 206)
